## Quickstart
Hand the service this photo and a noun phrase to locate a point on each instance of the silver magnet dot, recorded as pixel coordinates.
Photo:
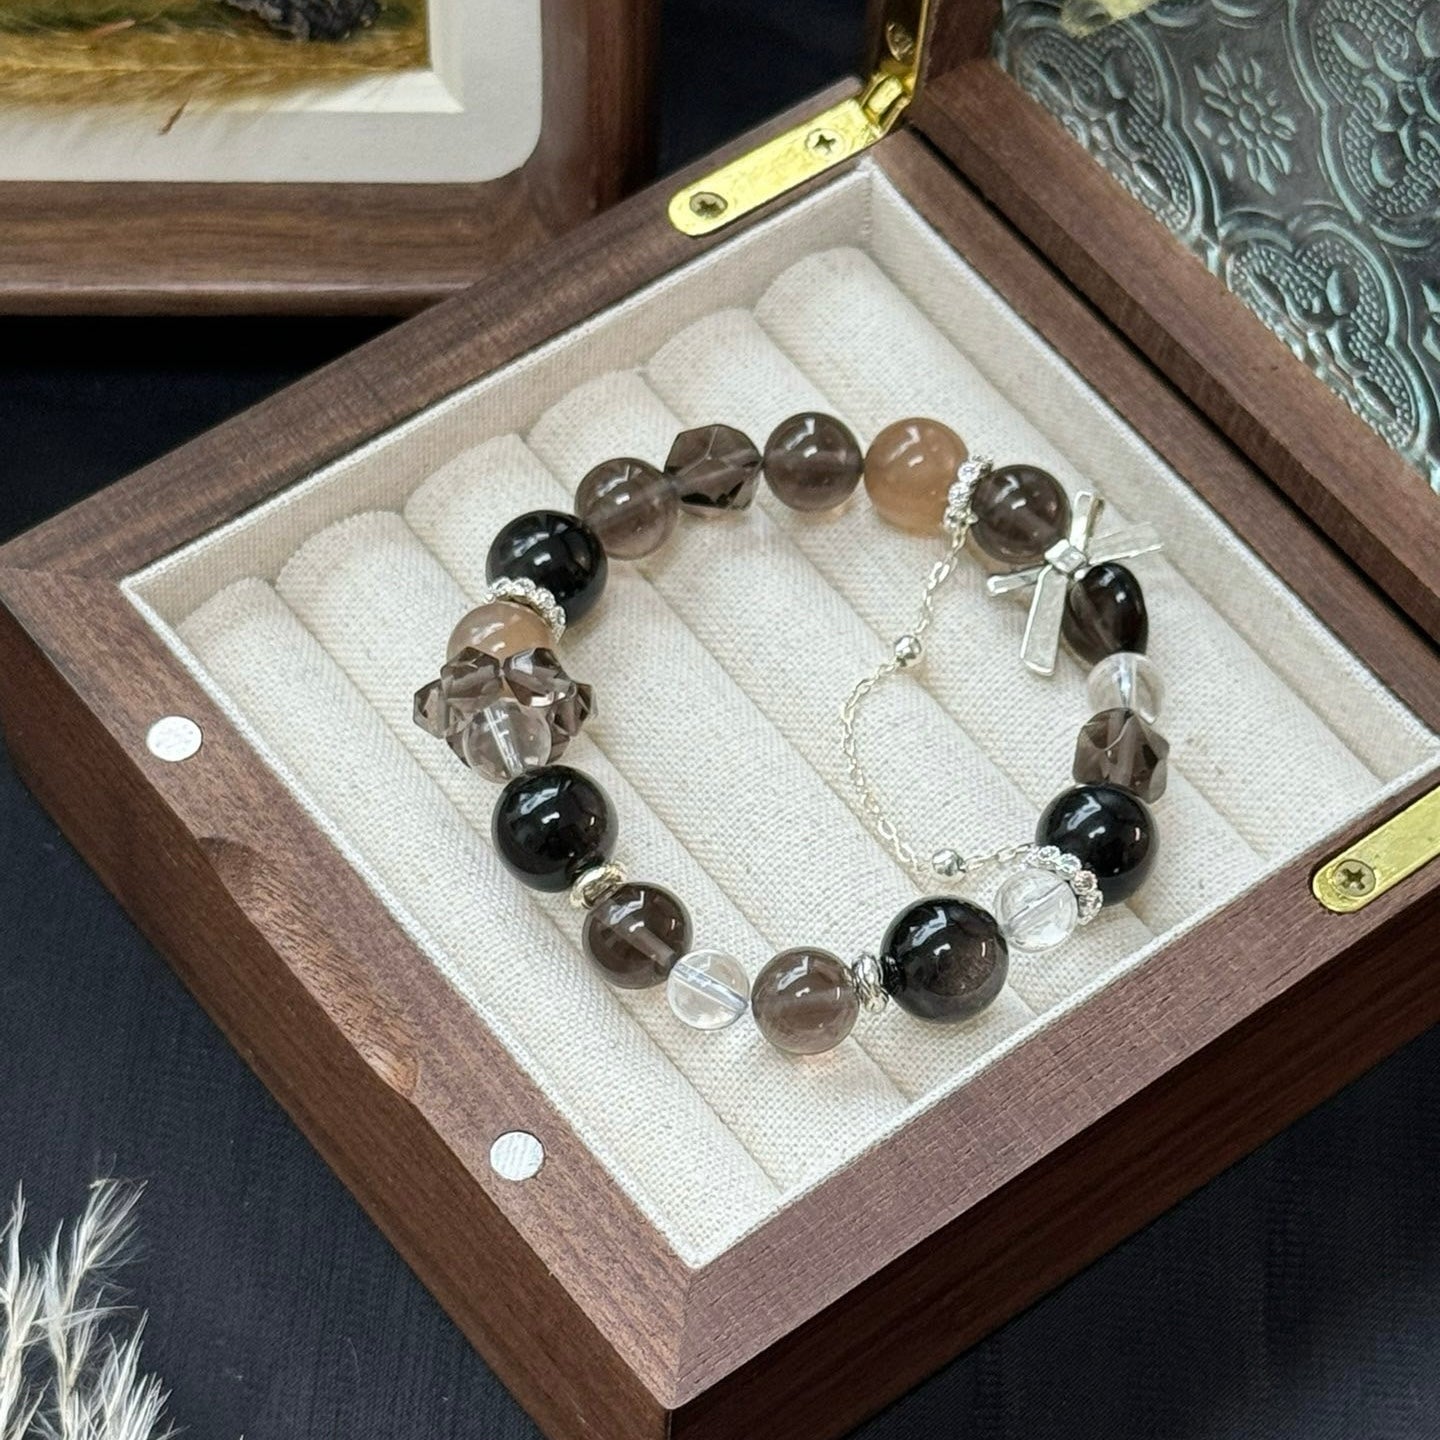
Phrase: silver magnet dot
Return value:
(175, 738)
(517, 1155)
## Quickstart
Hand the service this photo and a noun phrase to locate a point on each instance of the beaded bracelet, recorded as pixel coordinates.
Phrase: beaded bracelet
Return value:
(507, 708)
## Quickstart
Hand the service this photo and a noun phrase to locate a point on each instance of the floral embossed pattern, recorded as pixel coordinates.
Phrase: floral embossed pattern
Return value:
(1294, 145)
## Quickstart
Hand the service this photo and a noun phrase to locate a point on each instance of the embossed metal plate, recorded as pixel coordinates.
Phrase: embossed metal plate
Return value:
(1294, 145)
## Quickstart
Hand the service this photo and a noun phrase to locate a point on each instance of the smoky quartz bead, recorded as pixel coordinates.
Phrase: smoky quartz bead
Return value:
(909, 469)
(630, 505)
(1117, 747)
(1108, 830)
(1020, 512)
(813, 462)
(805, 1001)
(551, 825)
(715, 469)
(555, 551)
(635, 933)
(1105, 613)
(944, 959)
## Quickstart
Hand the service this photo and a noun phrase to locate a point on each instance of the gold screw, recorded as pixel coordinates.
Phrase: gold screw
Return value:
(822, 141)
(708, 205)
(900, 42)
(1354, 877)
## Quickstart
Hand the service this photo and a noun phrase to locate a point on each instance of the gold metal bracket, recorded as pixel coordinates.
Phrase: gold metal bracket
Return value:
(818, 145)
(1382, 859)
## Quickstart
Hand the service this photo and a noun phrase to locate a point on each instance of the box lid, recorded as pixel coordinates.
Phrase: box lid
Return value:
(1254, 206)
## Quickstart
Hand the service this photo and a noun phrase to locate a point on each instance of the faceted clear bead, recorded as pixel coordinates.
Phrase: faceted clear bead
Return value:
(1127, 681)
(506, 739)
(708, 990)
(1037, 910)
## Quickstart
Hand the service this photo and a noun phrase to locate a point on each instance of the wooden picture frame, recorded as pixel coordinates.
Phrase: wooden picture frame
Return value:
(891, 1265)
(103, 246)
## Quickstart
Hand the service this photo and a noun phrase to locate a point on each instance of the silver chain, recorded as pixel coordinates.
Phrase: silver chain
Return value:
(907, 652)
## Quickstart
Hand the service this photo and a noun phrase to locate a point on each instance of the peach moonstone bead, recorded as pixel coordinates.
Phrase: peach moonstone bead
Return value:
(500, 628)
(909, 470)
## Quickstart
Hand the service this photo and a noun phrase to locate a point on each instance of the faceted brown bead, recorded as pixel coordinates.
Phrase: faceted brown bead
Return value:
(1105, 613)
(630, 505)
(813, 462)
(716, 468)
(1020, 512)
(500, 628)
(805, 1001)
(1117, 747)
(909, 470)
(635, 934)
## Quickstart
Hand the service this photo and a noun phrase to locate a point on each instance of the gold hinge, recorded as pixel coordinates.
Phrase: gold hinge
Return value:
(821, 143)
(1365, 870)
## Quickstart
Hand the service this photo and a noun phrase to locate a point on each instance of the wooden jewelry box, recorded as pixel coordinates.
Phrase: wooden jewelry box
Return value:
(647, 1231)
(378, 195)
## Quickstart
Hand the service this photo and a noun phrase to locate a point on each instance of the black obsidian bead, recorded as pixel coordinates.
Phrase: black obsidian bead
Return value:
(944, 959)
(555, 550)
(1108, 830)
(1105, 613)
(1020, 512)
(551, 825)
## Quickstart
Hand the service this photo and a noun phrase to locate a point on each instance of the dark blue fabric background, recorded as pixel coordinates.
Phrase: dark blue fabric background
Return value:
(1296, 1296)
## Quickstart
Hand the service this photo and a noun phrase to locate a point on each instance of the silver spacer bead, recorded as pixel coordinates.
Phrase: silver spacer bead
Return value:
(595, 884)
(537, 597)
(957, 502)
(950, 864)
(908, 651)
(869, 982)
(1083, 882)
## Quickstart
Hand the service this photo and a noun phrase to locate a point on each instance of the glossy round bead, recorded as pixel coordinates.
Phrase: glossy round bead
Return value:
(1105, 613)
(553, 550)
(1117, 747)
(630, 505)
(805, 1001)
(813, 462)
(1020, 512)
(909, 470)
(1037, 910)
(500, 628)
(1127, 681)
(1108, 830)
(707, 989)
(635, 933)
(506, 739)
(551, 825)
(944, 959)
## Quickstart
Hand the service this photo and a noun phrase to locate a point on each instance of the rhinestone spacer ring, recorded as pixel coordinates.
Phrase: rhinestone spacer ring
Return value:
(869, 982)
(535, 597)
(957, 502)
(1082, 881)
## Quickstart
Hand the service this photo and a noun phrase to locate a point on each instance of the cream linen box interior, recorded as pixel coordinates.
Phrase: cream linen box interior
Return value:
(720, 665)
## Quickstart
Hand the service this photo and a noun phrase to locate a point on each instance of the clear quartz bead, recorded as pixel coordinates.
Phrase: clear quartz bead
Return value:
(1127, 681)
(708, 989)
(1037, 910)
(506, 739)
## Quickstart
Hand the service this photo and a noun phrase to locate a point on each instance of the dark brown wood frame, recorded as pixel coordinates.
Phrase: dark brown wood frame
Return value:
(1299, 432)
(898, 1261)
(155, 248)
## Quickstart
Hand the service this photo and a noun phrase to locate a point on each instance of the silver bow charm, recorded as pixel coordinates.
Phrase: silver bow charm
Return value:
(1065, 561)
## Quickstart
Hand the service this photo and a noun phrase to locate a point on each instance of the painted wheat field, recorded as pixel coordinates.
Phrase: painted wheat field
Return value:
(168, 53)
